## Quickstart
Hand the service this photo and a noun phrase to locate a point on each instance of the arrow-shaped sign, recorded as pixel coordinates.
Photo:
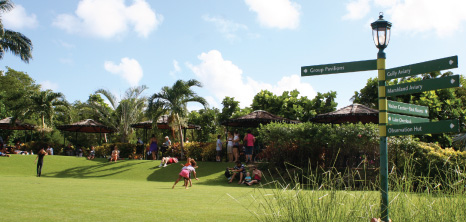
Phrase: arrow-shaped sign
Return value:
(421, 68)
(424, 85)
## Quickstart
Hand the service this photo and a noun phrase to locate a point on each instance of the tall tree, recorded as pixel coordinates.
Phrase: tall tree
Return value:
(12, 41)
(122, 113)
(46, 104)
(291, 106)
(173, 100)
(230, 106)
(17, 88)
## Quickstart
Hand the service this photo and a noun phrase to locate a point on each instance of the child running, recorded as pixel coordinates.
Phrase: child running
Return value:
(185, 171)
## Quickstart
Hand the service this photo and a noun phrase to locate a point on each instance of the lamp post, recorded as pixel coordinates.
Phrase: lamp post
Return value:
(381, 35)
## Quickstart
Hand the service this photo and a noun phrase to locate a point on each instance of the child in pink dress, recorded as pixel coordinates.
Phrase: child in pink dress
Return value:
(185, 174)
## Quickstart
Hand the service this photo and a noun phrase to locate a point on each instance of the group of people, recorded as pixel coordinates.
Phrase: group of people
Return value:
(233, 146)
(239, 171)
(154, 147)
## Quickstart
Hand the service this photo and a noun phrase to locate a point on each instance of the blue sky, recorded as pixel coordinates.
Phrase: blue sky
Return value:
(235, 48)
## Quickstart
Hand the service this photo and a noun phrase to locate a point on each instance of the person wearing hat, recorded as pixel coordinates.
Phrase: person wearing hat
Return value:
(165, 145)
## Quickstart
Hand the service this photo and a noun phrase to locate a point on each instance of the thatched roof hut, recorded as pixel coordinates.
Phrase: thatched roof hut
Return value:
(353, 113)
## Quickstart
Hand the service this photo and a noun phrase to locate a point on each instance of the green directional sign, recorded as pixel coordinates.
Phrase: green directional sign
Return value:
(443, 126)
(424, 85)
(339, 68)
(406, 108)
(423, 67)
(396, 119)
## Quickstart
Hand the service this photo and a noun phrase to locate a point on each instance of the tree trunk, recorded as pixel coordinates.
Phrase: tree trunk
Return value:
(181, 142)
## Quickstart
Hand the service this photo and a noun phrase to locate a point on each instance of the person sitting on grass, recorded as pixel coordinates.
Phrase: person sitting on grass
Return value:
(115, 154)
(247, 178)
(240, 170)
(185, 171)
(3, 153)
(168, 160)
(257, 175)
(91, 153)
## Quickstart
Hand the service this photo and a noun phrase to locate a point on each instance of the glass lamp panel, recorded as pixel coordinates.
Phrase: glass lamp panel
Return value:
(374, 37)
(388, 36)
(381, 32)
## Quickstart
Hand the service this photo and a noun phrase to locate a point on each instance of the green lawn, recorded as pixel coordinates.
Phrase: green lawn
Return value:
(76, 189)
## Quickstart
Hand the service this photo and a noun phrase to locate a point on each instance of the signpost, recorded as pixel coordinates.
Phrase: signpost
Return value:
(423, 67)
(395, 124)
(406, 108)
(339, 68)
(424, 128)
(424, 85)
(396, 119)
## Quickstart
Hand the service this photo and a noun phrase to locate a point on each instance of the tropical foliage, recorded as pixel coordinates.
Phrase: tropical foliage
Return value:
(173, 100)
(11, 41)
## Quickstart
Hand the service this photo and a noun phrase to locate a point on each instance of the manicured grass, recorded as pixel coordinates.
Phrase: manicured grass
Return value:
(76, 189)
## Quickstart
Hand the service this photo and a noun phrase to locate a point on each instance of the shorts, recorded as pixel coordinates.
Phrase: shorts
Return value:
(172, 160)
(219, 153)
(249, 150)
(229, 149)
(185, 174)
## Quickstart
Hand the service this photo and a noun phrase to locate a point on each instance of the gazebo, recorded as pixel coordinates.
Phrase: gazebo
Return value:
(6, 124)
(162, 123)
(86, 126)
(353, 113)
(256, 118)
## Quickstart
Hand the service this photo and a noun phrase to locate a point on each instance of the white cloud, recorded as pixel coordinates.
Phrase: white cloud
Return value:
(110, 18)
(282, 14)
(48, 85)
(176, 69)
(357, 9)
(128, 69)
(19, 19)
(226, 27)
(223, 78)
(442, 17)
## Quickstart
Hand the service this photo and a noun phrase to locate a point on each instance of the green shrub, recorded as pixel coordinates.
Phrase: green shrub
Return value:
(105, 150)
(198, 150)
(35, 146)
(320, 144)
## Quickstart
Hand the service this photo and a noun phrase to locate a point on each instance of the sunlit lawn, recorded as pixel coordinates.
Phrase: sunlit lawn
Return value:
(75, 189)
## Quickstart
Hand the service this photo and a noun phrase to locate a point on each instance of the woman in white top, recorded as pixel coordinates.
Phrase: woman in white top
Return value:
(230, 147)
(236, 146)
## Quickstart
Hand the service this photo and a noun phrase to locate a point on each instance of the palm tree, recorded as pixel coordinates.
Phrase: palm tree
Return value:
(173, 100)
(12, 41)
(123, 113)
(46, 104)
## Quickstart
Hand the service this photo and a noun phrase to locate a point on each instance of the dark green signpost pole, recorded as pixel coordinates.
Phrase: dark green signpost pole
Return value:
(381, 35)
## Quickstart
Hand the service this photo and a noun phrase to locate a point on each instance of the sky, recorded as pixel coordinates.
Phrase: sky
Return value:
(234, 48)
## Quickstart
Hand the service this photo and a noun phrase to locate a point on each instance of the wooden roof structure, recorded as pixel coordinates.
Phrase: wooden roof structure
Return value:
(87, 126)
(162, 123)
(256, 118)
(353, 113)
(6, 124)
